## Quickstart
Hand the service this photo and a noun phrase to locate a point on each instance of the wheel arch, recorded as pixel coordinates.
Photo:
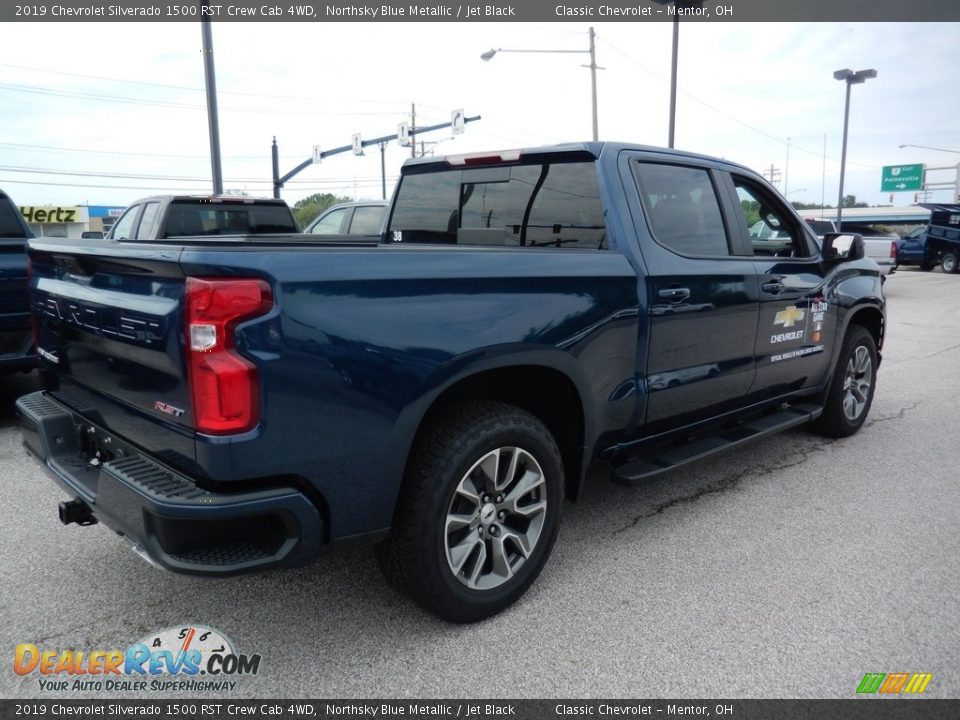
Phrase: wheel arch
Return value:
(872, 319)
(545, 391)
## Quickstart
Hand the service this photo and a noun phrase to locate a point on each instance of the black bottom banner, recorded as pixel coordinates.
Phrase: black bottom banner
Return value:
(852, 709)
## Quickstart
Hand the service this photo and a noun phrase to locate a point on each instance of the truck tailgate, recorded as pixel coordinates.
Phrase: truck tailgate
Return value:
(109, 327)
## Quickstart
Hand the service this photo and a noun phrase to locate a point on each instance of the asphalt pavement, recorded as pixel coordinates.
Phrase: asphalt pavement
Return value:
(789, 568)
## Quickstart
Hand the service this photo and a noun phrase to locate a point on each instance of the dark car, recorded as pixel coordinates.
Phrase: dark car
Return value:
(16, 340)
(356, 218)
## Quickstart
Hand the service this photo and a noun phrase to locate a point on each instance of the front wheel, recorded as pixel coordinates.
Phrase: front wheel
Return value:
(948, 263)
(850, 394)
(478, 512)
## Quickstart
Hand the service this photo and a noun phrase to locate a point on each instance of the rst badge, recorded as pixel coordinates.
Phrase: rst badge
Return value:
(167, 408)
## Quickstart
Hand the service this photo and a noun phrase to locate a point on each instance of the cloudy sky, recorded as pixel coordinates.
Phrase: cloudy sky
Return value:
(106, 113)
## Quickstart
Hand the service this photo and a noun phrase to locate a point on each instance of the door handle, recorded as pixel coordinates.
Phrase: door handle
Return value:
(674, 294)
(773, 287)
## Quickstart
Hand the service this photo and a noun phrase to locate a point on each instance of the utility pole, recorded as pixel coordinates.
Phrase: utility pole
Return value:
(413, 129)
(773, 174)
(383, 169)
(212, 118)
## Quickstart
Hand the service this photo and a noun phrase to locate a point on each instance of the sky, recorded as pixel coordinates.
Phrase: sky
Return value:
(103, 114)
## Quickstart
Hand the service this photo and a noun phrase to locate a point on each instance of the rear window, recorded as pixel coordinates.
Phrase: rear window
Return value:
(554, 205)
(10, 226)
(187, 219)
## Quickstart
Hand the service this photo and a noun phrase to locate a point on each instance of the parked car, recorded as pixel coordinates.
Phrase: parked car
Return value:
(355, 218)
(249, 403)
(937, 243)
(881, 248)
(16, 339)
(169, 216)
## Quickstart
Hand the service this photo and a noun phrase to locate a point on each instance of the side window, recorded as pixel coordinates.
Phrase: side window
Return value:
(550, 206)
(772, 231)
(366, 220)
(682, 208)
(330, 224)
(123, 228)
(148, 220)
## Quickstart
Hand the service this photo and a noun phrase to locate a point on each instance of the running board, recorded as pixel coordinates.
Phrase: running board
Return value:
(665, 459)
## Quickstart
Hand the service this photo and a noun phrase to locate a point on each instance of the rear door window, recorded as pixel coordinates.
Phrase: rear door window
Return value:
(148, 220)
(682, 209)
(549, 205)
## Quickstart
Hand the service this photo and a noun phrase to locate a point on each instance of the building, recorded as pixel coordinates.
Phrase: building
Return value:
(69, 221)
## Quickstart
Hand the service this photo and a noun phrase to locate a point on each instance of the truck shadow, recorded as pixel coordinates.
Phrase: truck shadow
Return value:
(12, 387)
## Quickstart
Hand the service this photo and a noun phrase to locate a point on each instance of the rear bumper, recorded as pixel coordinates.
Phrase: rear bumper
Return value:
(167, 518)
(888, 266)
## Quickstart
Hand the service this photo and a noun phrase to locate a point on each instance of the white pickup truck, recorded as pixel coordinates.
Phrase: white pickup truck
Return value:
(881, 249)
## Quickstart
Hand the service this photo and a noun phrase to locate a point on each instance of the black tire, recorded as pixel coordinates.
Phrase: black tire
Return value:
(430, 530)
(850, 394)
(927, 266)
(948, 263)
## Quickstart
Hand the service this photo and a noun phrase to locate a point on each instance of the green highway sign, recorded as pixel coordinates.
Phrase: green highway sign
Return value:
(900, 178)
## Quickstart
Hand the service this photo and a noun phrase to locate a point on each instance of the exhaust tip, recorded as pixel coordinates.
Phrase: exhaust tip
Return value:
(76, 511)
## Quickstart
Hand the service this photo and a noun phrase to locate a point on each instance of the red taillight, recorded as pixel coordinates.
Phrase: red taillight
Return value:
(893, 249)
(224, 385)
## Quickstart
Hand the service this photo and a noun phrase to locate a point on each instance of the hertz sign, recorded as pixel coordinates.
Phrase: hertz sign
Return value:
(53, 214)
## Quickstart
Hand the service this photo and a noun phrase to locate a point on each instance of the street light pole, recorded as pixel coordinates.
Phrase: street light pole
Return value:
(210, 76)
(851, 78)
(673, 82)
(677, 5)
(593, 82)
(927, 147)
(489, 55)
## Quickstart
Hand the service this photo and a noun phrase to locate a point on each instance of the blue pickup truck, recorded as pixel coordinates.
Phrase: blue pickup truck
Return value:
(937, 243)
(231, 404)
(16, 338)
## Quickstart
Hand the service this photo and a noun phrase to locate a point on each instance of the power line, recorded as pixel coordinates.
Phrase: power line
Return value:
(727, 115)
(297, 98)
(125, 153)
(137, 176)
(33, 89)
(333, 184)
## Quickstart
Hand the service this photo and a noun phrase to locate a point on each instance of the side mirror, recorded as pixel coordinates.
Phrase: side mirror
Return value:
(840, 247)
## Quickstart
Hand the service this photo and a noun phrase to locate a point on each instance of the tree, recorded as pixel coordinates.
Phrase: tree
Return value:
(304, 211)
(850, 201)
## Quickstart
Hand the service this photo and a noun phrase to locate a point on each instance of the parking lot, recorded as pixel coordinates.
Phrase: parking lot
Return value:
(786, 569)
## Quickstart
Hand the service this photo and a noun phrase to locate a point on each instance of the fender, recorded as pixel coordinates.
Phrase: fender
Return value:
(471, 365)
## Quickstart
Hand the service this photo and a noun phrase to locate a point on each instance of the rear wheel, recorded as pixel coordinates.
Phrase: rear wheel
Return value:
(850, 394)
(948, 263)
(478, 512)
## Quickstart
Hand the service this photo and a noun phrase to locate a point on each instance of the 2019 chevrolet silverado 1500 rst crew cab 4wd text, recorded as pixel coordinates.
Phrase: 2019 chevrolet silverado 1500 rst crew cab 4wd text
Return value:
(235, 404)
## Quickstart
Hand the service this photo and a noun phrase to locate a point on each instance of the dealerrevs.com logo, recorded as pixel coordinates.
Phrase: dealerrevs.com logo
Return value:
(894, 683)
(194, 658)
